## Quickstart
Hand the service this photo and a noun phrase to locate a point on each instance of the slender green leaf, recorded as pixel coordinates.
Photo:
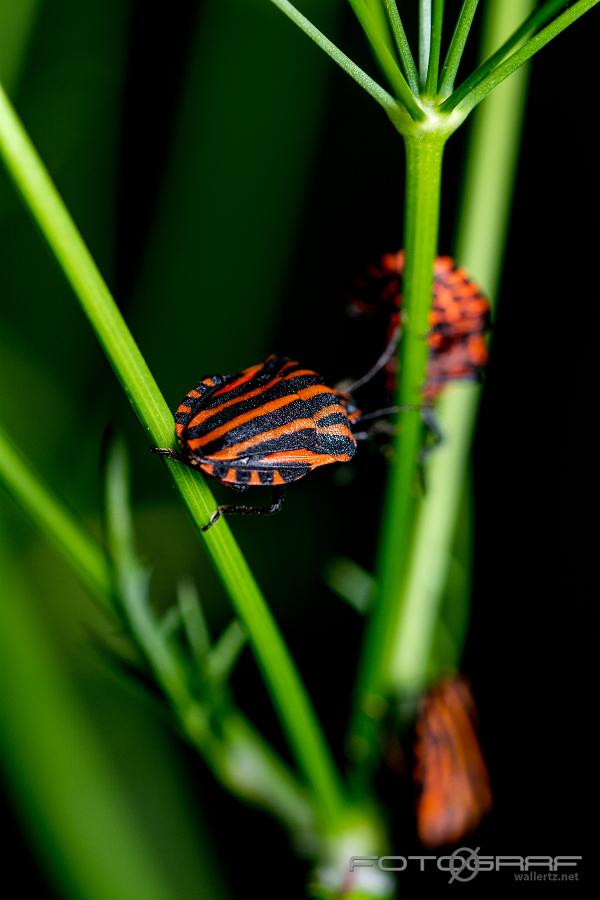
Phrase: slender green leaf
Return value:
(226, 652)
(350, 582)
(193, 619)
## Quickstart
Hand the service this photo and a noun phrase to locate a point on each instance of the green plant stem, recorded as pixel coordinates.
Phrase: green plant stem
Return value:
(424, 39)
(457, 46)
(433, 66)
(82, 552)
(423, 183)
(403, 47)
(483, 81)
(344, 62)
(283, 682)
(482, 233)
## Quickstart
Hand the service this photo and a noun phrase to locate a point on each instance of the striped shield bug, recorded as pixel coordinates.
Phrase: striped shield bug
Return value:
(267, 426)
(459, 318)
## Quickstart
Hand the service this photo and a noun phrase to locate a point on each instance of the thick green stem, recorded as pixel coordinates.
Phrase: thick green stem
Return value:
(283, 681)
(423, 183)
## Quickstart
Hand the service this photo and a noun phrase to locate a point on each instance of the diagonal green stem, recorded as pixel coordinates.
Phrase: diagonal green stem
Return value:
(489, 75)
(344, 62)
(81, 551)
(457, 46)
(404, 51)
(283, 681)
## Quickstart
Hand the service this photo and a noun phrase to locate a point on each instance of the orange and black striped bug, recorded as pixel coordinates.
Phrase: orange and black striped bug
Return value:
(459, 319)
(267, 426)
(455, 787)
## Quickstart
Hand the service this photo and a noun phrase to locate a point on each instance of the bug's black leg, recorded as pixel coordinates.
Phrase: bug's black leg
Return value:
(173, 454)
(228, 509)
(383, 360)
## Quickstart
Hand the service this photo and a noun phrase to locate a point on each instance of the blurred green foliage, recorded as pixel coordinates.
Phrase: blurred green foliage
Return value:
(220, 213)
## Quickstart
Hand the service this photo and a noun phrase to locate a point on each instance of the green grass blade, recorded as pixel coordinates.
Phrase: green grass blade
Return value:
(457, 46)
(285, 686)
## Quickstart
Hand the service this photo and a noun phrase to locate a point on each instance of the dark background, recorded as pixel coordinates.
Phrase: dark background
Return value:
(527, 655)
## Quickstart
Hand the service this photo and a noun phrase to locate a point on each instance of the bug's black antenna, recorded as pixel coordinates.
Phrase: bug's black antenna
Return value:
(390, 410)
(383, 360)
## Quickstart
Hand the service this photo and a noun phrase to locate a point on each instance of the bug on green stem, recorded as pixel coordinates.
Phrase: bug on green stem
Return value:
(267, 426)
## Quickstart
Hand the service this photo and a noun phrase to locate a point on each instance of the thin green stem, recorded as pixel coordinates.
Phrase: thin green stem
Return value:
(433, 66)
(424, 39)
(82, 552)
(423, 184)
(282, 679)
(489, 75)
(386, 60)
(482, 233)
(537, 17)
(457, 46)
(344, 62)
(402, 45)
